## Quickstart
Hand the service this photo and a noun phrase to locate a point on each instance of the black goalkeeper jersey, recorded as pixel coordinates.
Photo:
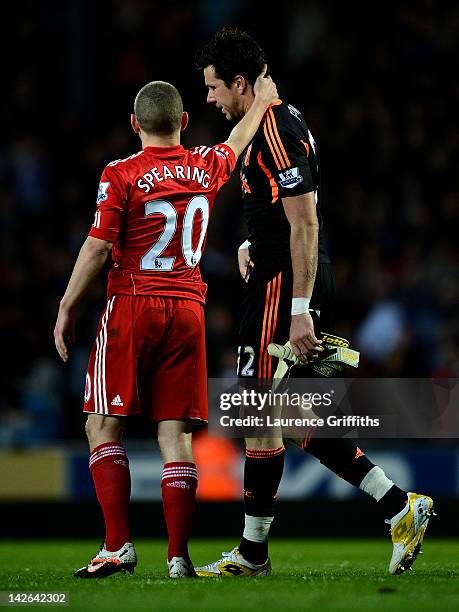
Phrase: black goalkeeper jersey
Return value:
(281, 161)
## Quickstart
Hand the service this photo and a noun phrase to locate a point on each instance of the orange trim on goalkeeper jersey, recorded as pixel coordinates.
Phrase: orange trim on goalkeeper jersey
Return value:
(306, 146)
(244, 183)
(278, 138)
(247, 155)
(274, 141)
(269, 176)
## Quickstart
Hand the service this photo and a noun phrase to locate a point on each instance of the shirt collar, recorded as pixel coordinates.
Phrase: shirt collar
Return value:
(165, 151)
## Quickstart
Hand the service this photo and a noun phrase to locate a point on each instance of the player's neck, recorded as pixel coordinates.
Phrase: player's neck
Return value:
(152, 140)
(248, 101)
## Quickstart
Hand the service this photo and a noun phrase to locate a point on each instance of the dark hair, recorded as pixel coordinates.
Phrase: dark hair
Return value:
(231, 52)
(158, 107)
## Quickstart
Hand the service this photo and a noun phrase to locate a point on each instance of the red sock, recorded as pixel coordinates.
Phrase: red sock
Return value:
(109, 467)
(178, 486)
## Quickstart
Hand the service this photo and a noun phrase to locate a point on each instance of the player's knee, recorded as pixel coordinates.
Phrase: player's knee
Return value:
(166, 439)
(100, 429)
(263, 443)
(171, 440)
(87, 428)
(175, 445)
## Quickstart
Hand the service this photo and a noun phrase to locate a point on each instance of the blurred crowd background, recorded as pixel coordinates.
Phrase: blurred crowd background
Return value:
(377, 84)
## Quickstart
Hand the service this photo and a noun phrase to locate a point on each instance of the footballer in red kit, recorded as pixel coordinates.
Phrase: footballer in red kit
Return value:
(153, 209)
(161, 199)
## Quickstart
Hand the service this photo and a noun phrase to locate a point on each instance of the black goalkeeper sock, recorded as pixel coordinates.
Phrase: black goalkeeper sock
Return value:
(262, 475)
(342, 456)
(347, 460)
(393, 501)
(255, 552)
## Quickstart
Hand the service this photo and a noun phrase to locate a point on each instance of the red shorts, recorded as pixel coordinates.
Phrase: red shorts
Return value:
(149, 355)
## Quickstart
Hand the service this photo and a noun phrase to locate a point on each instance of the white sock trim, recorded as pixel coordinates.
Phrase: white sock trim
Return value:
(257, 528)
(376, 483)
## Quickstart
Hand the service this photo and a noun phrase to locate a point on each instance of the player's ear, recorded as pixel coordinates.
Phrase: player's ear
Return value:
(184, 121)
(241, 83)
(135, 124)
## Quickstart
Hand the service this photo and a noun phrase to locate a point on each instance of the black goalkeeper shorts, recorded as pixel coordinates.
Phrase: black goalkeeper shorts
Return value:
(266, 315)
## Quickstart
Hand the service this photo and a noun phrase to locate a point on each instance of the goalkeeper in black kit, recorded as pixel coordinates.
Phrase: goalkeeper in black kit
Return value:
(289, 296)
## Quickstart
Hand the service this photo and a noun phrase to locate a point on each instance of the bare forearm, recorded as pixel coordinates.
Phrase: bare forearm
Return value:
(304, 240)
(245, 130)
(88, 265)
(304, 252)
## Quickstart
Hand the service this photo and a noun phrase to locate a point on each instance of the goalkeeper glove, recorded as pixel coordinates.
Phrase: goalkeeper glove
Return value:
(336, 354)
(328, 363)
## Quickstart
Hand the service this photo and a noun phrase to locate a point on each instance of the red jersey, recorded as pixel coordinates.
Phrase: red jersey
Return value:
(155, 207)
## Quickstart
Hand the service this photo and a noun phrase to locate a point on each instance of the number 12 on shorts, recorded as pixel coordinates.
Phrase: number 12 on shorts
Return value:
(245, 370)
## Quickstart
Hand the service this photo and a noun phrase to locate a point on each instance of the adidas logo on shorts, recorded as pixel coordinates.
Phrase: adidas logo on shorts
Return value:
(117, 401)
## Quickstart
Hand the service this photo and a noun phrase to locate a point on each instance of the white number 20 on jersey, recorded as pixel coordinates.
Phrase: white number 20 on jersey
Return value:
(152, 259)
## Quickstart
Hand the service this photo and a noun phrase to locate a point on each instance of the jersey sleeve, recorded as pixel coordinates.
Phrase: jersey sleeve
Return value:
(225, 162)
(111, 206)
(286, 157)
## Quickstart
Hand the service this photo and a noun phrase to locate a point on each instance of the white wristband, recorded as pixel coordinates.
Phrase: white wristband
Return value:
(300, 305)
(244, 245)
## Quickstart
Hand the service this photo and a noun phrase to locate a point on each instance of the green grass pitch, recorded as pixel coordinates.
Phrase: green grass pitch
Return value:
(341, 575)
